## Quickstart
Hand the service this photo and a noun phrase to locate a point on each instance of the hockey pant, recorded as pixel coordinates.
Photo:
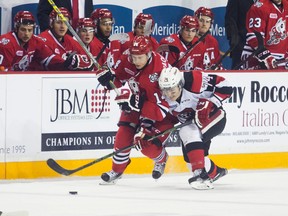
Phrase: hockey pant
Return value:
(155, 148)
(124, 137)
(196, 142)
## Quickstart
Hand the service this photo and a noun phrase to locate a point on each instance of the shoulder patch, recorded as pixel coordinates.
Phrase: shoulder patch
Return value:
(258, 4)
(4, 41)
(169, 39)
(153, 77)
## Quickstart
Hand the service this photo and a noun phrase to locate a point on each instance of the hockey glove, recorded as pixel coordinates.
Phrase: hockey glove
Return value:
(138, 143)
(216, 67)
(105, 76)
(123, 101)
(146, 126)
(137, 101)
(203, 109)
(267, 61)
(78, 62)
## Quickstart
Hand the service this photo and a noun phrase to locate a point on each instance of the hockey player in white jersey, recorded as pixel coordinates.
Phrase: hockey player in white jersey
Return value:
(199, 96)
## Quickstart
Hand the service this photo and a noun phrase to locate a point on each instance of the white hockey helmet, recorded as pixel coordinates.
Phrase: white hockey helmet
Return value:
(170, 78)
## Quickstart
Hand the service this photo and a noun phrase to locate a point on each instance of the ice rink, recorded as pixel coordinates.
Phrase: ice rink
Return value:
(240, 193)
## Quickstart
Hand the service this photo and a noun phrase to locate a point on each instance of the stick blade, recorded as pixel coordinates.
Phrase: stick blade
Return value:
(148, 27)
(167, 48)
(260, 41)
(57, 168)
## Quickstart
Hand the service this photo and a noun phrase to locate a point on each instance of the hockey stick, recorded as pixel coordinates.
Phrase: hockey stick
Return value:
(167, 48)
(89, 54)
(190, 48)
(61, 170)
(259, 48)
(170, 130)
(57, 168)
(234, 43)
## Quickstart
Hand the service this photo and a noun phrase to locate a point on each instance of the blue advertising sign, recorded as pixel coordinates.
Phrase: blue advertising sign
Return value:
(167, 22)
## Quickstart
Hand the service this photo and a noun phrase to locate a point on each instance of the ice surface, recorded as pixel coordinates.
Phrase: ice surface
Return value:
(240, 193)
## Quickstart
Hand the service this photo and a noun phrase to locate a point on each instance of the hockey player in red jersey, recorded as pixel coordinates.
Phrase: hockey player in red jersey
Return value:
(212, 53)
(188, 58)
(199, 96)
(143, 25)
(269, 18)
(109, 51)
(140, 69)
(20, 47)
(60, 42)
(85, 29)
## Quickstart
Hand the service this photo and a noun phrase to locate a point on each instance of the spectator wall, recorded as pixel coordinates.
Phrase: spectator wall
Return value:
(57, 115)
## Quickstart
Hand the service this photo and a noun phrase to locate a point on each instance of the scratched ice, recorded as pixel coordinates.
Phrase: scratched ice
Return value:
(240, 193)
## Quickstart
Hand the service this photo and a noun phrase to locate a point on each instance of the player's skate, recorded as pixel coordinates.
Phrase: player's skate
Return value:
(220, 173)
(200, 180)
(110, 177)
(159, 168)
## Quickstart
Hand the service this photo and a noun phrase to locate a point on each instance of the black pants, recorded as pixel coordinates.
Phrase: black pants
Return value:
(207, 137)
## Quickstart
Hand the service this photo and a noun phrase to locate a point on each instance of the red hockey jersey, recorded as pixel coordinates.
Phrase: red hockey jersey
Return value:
(193, 59)
(146, 80)
(272, 22)
(212, 52)
(17, 58)
(66, 46)
(109, 55)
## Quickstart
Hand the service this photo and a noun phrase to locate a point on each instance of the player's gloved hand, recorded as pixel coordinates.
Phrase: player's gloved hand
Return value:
(267, 61)
(214, 67)
(203, 109)
(141, 136)
(105, 76)
(123, 101)
(147, 124)
(138, 139)
(137, 101)
(78, 62)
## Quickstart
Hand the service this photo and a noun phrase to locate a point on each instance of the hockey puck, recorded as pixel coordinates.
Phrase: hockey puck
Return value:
(73, 192)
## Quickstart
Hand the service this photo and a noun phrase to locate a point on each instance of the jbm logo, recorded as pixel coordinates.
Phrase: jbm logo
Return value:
(74, 104)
